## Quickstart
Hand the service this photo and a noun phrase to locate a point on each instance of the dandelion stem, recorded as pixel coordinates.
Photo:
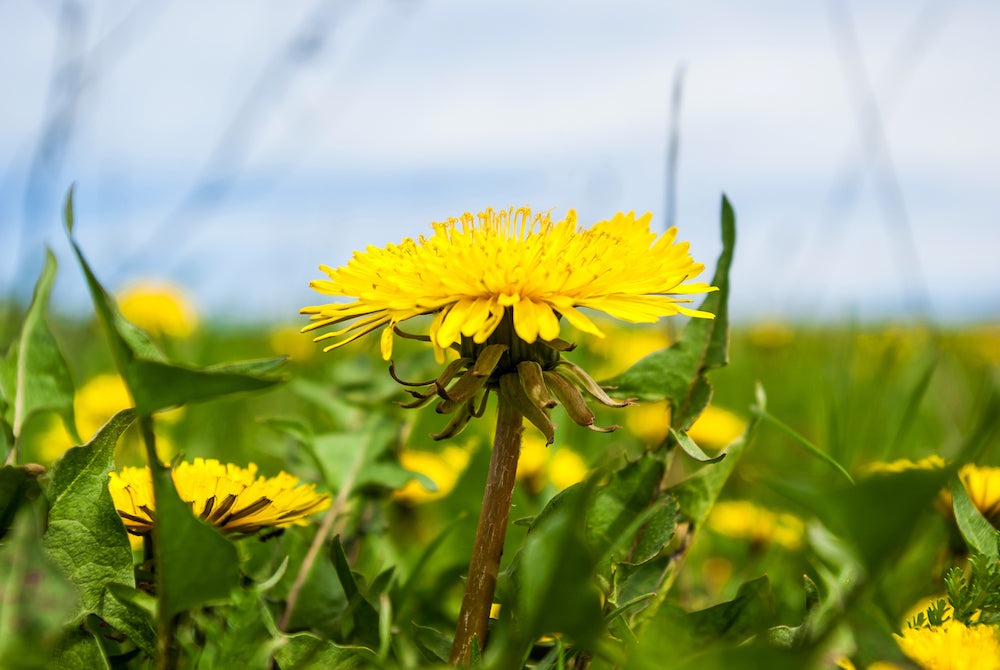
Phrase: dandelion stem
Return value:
(488, 548)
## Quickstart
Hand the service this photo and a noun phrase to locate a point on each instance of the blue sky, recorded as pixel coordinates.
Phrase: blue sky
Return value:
(233, 147)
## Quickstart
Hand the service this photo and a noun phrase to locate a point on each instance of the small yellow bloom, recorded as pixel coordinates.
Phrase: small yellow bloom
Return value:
(534, 458)
(982, 483)
(290, 341)
(770, 335)
(952, 646)
(233, 499)
(442, 468)
(158, 308)
(624, 345)
(716, 428)
(566, 468)
(903, 464)
(100, 398)
(745, 520)
(649, 421)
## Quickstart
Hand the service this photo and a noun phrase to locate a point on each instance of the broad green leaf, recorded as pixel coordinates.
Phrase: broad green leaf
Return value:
(78, 650)
(615, 505)
(434, 645)
(196, 565)
(42, 380)
(674, 373)
(305, 651)
(556, 591)
(155, 382)
(360, 618)
(15, 485)
(38, 601)
(85, 536)
(979, 533)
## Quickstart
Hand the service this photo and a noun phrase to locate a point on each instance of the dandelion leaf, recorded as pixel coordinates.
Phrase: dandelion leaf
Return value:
(38, 601)
(36, 377)
(155, 382)
(305, 650)
(16, 486)
(979, 534)
(676, 373)
(85, 535)
(360, 619)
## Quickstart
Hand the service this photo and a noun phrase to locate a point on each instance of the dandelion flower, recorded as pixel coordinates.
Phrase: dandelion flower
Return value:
(952, 646)
(443, 469)
(982, 483)
(475, 270)
(716, 428)
(158, 308)
(744, 520)
(233, 499)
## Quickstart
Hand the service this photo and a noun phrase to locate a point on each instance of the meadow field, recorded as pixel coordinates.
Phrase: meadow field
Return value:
(779, 495)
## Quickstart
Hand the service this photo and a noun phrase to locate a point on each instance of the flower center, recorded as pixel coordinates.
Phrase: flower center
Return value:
(517, 349)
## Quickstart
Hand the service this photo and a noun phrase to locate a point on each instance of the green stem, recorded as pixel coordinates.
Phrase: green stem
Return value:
(165, 624)
(488, 548)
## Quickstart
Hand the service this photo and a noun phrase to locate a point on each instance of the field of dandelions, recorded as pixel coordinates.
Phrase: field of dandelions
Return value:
(779, 496)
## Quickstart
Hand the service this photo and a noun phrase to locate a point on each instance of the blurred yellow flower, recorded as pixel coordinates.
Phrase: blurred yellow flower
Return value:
(744, 520)
(770, 335)
(561, 466)
(100, 398)
(952, 646)
(290, 341)
(649, 421)
(566, 468)
(624, 345)
(233, 499)
(901, 465)
(716, 428)
(441, 468)
(158, 308)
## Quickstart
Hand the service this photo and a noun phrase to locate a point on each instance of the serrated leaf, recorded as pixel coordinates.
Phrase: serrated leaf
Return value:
(361, 616)
(155, 382)
(41, 377)
(85, 535)
(979, 534)
(304, 651)
(675, 373)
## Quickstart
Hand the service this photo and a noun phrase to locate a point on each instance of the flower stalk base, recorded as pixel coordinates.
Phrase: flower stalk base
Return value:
(474, 616)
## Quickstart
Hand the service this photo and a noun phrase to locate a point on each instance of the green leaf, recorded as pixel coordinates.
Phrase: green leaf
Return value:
(615, 505)
(675, 373)
(155, 382)
(304, 651)
(15, 485)
(196, 564)
(809, 446)
(42, 380)
(37, 599)
(434, 645)
(360, 614)
(979, 534)
(86, 537)
(555, 575)
(78, 650)
(692, 449)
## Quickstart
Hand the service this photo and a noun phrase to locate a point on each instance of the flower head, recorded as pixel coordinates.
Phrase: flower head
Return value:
(952, 646)
(743, 519)
(158, 308)
(498, 285)
(233, 499)
(473, 270)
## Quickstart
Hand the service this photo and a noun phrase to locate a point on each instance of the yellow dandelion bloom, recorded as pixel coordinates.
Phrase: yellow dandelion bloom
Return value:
(158, 308)
(744, 520)
(952, 646)
(649, 421)
(233, 499)
(716, 428)
(566, 468)
(903, 464)
(982, 483)
(472, 271)
(442, 468)
(100, 398)
(534, 459)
